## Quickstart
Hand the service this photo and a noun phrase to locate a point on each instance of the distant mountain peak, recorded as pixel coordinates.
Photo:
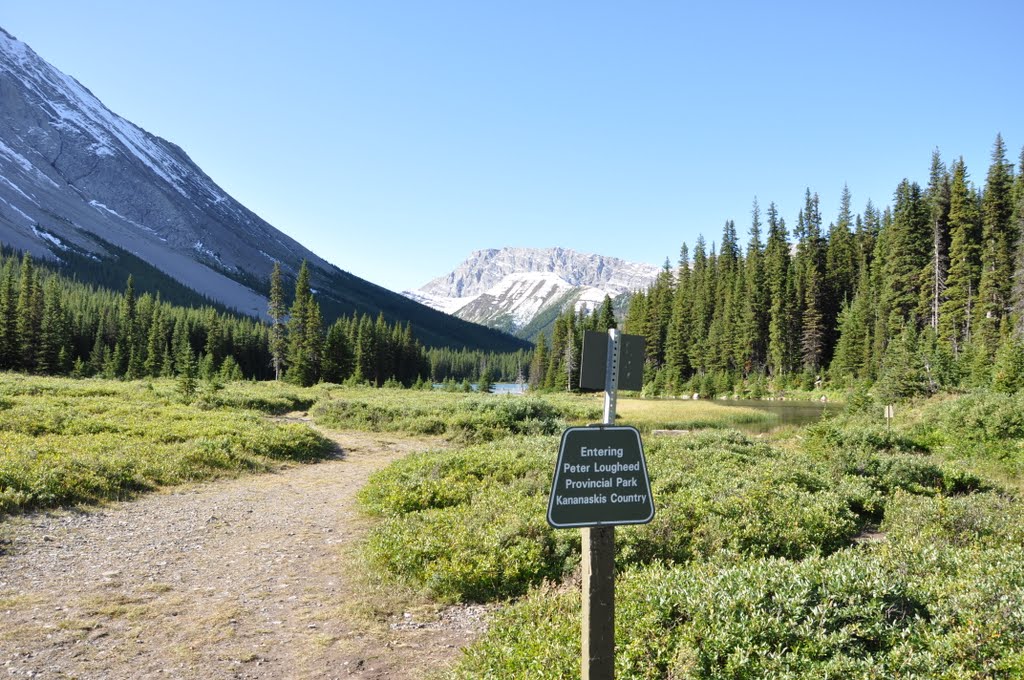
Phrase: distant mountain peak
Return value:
(509, 288)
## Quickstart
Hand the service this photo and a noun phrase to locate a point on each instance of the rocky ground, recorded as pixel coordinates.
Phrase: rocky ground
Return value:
(254, 577)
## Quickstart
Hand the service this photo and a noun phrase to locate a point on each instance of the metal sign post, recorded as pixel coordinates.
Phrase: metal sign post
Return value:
(599, 558)
(601, 481)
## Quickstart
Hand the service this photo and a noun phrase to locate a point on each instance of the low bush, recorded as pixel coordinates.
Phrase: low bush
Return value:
(465, 418)
(66, 442)
(719, 495)
(856, 613)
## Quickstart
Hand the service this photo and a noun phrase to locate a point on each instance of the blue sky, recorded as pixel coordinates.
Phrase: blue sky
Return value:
(393, 138)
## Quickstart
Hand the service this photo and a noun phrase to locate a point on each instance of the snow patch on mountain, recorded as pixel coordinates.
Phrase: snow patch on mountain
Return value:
(508, 288)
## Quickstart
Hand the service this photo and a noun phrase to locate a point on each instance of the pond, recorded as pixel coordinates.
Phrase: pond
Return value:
(497, 388)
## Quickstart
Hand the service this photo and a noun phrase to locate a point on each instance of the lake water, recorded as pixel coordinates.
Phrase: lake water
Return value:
(498, 388)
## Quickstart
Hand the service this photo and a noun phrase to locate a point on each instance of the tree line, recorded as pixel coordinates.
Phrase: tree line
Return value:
(556, 366)
(922, 296)
(53, 325)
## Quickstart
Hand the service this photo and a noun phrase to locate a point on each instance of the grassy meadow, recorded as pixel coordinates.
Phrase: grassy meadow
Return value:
(64, 442)
(845, 549)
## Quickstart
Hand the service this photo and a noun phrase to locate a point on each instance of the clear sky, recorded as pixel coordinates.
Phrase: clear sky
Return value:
(393, 138)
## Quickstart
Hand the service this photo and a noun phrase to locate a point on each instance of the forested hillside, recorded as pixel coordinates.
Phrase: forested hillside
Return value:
(53, 325)
(921, 296)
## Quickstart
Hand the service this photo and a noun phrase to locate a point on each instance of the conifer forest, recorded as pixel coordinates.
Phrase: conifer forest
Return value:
(923, 296)
(918, 297)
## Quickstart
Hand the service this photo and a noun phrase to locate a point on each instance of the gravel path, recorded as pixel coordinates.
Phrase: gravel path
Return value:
(254, 577)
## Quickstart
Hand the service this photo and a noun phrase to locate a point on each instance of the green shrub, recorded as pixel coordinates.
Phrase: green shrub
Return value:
(857, 613)
(64, 442)
(980, 418)
(466, 418)
(495, 546)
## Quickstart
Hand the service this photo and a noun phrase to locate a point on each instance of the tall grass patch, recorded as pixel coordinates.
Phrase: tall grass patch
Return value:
(687, 414)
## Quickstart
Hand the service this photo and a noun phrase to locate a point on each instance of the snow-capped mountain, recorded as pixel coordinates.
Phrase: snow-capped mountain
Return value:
(510, 288)
(77, 180)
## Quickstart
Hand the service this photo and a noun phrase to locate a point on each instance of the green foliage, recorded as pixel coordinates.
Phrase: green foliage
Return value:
(64, 442)
(460, 416)
(944, 265)
(864, 551)
(719, 496)
(988, 418)
(940, 598)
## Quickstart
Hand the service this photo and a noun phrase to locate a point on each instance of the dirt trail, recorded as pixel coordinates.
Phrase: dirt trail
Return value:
(253, 577)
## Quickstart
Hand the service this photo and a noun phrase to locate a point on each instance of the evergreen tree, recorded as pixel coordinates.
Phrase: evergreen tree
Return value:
(853, 345)
(935, 274)
(366, 351)
(277, 311)
(907, 251)
(339, 358)
(841, 269)
(27, 322)
(53, 332)
(155, 343)
(9, 346)
(903, 373)
(1018, 227)
(810, 285)
(777, 275)
(1008, 366)
(301, 362)
(485, 384)
(955, 313)
(998, 239)
(605, 316)
(539, 362)
(186, 367)
(677, 338)
(703, 305)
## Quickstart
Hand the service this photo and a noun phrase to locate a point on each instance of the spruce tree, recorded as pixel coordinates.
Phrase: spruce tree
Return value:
(908, 240)
(538, 363)
(677, 338)
(606, 315)
(777, 272)
(998, 240)
(27, 321)
(300, 362)
(8, 317)
(366, 351)
(185, 362)
(155, 343)
(53, 332)
(809, 267)
(277, 312)
(338, 354)
(935, 273)
(1008, 366)
(841, 269)
(1018, 227)
(955, 312)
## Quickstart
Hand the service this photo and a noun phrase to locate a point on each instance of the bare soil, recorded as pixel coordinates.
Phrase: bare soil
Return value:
(253, 577)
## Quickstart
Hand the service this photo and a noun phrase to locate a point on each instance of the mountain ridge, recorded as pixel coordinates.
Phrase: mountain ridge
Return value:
(75, 176)
(508, 288)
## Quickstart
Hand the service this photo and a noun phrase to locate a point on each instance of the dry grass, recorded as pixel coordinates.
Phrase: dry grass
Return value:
(685, 414)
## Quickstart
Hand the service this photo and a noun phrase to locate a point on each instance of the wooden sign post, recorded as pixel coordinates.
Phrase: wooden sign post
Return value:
(601, 481)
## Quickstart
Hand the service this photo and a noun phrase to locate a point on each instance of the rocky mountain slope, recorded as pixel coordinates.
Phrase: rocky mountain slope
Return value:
(78, 180)
(510, 288)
